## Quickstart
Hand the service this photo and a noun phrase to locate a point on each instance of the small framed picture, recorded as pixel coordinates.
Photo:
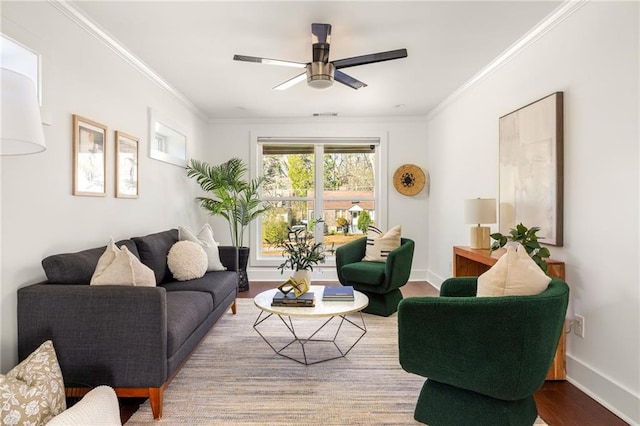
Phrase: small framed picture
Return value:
(89, 157)
(126, 165)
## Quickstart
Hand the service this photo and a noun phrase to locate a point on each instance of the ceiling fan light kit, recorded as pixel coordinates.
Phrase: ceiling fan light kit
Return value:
(320, 72)
(320, 75)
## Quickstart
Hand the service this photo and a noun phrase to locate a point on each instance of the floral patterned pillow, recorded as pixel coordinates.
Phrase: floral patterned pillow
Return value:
(33, 392)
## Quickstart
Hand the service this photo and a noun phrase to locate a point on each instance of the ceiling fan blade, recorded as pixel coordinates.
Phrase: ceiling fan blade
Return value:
(268, 61)
(320, 33)
(370, 59)
(347, 80)
(291, 82)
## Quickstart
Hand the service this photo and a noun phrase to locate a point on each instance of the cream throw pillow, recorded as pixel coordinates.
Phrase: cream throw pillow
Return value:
(205, 239)
(515, 273)
(99, 407)
(118, 266)
(187, 260)
(33, 392)
(380, 244)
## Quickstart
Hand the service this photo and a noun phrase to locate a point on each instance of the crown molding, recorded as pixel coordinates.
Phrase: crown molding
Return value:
(320, 120)
(561, 13)
(84, 22)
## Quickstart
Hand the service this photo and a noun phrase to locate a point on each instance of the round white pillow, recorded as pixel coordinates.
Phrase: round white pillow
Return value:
(187, 260)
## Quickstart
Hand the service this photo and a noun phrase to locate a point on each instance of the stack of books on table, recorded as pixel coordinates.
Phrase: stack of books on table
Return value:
(337, 294)
(304, 300)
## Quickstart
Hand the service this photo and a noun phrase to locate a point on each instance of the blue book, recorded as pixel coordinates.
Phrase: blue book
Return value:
(343, 293)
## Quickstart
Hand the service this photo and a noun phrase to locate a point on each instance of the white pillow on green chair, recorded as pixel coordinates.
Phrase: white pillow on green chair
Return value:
(515, 273)
(380, 244)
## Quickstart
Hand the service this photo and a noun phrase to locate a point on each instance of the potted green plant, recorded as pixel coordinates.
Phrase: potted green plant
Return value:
(300, 251)
(529, 240)
(233, 197)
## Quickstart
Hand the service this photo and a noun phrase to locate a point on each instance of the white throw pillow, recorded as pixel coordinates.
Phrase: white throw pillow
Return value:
(205, 239)
(118, 266)
(187, 260)
(99, 407)
(33, 391)
(515, 273)
(380, 244)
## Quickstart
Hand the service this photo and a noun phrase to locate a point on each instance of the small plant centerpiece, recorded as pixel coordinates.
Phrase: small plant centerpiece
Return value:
(528, 239)
(301, 254)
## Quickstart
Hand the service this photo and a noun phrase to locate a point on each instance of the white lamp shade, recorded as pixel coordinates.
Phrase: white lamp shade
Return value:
(480, 210)
(21, 125)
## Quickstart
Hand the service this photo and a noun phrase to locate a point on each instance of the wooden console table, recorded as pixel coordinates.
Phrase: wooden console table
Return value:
(468, 262)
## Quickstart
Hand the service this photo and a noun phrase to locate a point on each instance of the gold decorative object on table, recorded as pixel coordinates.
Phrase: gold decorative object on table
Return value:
(409, 179)
(299, 287)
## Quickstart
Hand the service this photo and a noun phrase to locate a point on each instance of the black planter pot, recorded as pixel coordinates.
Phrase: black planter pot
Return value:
(243, 260)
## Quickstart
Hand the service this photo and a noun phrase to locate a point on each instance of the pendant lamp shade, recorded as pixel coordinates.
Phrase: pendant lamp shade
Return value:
(21, 125)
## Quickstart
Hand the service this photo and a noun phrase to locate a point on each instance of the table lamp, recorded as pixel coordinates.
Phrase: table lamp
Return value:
(21, 125)
(479, 211)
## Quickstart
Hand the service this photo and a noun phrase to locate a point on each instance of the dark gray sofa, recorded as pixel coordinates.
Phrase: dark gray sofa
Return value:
(134, 339)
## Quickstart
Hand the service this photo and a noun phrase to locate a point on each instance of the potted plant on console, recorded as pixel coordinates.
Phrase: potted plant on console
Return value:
(529, 240)
(234, 198)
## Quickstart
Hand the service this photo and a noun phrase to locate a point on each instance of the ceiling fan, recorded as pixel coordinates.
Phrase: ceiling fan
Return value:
(320, 72)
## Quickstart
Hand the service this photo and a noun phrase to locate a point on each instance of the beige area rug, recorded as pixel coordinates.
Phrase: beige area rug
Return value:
(235, 378)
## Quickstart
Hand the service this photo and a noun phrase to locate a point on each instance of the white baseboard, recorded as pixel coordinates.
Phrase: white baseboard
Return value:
(611, 395)
(435, 279)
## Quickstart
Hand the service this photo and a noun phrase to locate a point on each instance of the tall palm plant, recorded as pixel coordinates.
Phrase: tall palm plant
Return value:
(234, 198)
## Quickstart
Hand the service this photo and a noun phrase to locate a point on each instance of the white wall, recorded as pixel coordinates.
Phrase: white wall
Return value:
(39, 215)
(593, 58)
(405, 143)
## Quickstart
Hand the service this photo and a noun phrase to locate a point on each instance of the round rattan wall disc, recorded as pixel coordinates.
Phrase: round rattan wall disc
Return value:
(409, 179)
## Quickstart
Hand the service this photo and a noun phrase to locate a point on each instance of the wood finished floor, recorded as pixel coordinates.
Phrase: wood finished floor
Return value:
(559, 402)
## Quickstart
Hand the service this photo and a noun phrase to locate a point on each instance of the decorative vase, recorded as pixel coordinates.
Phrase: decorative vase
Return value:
(302, 273)
(243, 260)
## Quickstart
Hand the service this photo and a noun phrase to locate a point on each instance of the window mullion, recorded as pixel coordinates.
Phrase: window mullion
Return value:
(319, 188)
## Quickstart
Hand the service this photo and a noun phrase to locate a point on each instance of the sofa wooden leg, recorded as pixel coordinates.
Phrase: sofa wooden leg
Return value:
(155, 399)
(233, 307)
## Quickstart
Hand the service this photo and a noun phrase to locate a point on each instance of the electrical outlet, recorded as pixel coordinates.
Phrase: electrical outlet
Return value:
(578, 325)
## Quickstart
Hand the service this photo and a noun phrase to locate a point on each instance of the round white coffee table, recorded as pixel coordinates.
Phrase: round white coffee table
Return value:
(333, 310)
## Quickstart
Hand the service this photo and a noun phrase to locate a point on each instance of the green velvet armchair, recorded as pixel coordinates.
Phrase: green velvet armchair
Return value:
(380, 281)
(483, 357)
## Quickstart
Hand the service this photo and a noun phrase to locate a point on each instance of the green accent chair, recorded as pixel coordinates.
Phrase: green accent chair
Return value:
(380, 281)
(483, 357)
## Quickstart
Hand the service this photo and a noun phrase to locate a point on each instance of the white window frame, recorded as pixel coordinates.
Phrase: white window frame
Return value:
(380, 192)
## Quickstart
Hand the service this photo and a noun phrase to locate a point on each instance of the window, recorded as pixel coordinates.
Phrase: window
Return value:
(328, 187)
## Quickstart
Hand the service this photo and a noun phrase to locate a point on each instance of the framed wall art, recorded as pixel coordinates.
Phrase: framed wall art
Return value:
(89, 158)
(531, 168)
(126, 165)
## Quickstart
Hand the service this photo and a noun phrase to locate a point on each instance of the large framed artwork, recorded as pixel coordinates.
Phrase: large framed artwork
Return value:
(531, 164)
(89, 160)
(126, 165)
